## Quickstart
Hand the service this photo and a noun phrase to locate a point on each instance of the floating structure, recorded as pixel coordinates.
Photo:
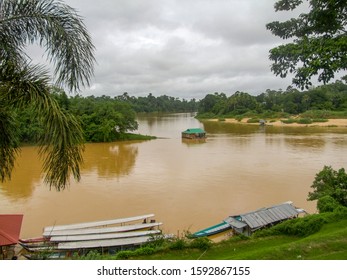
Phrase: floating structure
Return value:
(194, 133)
(105, 236)
(249, 222)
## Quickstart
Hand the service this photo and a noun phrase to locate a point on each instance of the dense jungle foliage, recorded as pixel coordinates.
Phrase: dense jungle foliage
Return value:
(106, 118)
(330, 100)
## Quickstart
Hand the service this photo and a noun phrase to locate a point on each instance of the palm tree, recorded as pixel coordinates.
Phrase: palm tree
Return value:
(58, 29)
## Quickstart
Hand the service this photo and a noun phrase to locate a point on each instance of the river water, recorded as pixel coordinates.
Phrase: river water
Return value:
(187, 185)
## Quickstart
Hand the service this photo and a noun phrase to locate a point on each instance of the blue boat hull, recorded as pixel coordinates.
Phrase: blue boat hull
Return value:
(218, 228)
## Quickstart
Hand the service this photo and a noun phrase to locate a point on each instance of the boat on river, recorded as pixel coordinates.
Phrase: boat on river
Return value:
(212, 230)
(194, 133)
(248, 223)
(108, 235)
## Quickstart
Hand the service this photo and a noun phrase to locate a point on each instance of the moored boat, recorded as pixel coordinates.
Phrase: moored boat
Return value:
(104, 235)
(86, 237)
(101, 230)
(212, 230)
(103, 223)
(248, 223)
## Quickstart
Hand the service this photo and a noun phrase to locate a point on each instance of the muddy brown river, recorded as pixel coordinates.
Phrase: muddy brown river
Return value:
(187, 185)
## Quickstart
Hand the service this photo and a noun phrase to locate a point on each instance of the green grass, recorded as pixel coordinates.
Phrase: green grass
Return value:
(303, 120)
(313, 237)
(330, 243)
(133, 136)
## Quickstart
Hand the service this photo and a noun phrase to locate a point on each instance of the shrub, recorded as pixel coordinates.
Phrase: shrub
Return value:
(340, 212)
(124, 255)
(302, 226)
(145, 251)
(202, 243)
(327, 204)
(297, 227)
(178, 244)
(288, 121)
(304, 121)
(91, 255)
(253, 120)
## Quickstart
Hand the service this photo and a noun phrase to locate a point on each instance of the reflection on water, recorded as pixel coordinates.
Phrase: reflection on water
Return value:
(193, 142)
(305, 142)
(25, 177)
(110, 160)
(188, 185)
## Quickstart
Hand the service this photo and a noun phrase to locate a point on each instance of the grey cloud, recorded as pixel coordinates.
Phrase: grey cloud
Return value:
(180, 48)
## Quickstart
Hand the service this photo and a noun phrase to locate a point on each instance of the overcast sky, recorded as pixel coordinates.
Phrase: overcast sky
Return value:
(181, 48)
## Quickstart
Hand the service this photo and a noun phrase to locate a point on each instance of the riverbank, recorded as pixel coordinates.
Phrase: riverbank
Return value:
(279, 122)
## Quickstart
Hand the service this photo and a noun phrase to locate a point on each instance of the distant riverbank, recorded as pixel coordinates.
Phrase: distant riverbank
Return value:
(280, 122)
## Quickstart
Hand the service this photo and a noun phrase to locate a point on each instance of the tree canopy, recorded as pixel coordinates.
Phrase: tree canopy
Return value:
(319, 44)
(330, 183)
(58, 29)
(327, 99)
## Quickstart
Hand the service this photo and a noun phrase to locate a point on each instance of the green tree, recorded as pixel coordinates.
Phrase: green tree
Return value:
(60, 31)
(240, 103)
(213, 103)
(330, 182)
(103, 119)
(319, 41)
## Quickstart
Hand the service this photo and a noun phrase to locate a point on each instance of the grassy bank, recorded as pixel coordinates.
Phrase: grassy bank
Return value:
(315, 237)
(329, 243)
(133, 136)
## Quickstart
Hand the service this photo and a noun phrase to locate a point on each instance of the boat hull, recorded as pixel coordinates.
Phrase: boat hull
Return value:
(218, 228)
(103, 235)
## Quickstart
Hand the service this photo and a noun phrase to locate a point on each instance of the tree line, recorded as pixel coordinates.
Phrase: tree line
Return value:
(104, 118)
(160, 104)
(326, 98)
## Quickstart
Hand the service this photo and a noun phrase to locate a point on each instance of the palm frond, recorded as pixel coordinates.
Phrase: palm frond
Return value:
(62, 144)
(62, 33)
(56, 27)
(8, 143)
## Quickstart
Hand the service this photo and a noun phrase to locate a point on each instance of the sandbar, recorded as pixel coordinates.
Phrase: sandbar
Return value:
(278, 122)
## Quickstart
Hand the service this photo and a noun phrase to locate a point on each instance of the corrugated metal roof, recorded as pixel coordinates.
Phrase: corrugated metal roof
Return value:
(270, 215)
(194, 130)
(10, 226)
(235, 223)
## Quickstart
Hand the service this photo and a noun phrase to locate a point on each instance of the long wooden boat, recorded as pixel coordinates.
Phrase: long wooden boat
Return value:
(59, 255)
(52, 243)
(212, 230)
(86, 237)
(106, 235)
(97, 223)
(103, 243)
(83, 231)
(39, 239)
(39, 247)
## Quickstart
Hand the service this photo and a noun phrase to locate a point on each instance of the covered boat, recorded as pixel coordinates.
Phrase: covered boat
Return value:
(194, 133)
(106, 236)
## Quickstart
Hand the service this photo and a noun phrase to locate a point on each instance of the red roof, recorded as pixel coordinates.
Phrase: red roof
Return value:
(10, 226)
